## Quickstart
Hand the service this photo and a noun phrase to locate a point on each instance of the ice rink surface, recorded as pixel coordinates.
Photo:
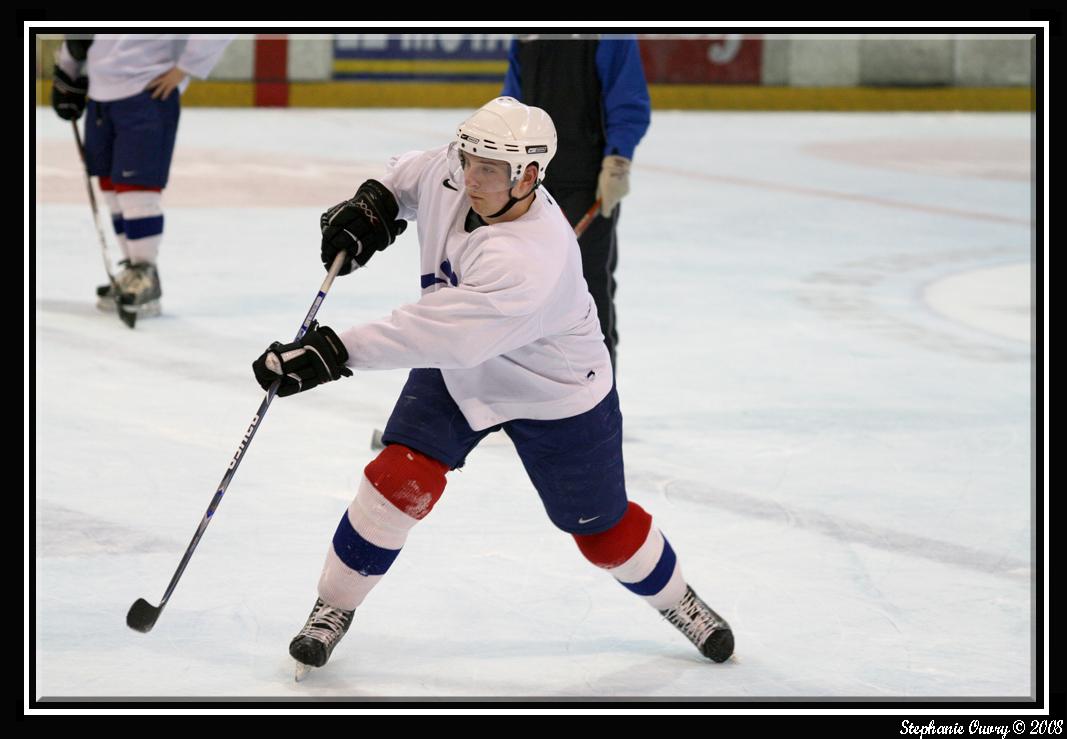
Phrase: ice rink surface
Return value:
(826, 371)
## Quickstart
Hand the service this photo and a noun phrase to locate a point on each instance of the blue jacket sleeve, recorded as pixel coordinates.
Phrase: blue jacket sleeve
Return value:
(627, 107)
(512, 80)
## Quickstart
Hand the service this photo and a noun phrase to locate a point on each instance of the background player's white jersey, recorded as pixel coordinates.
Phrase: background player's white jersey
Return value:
(505, 312)
(121, 66)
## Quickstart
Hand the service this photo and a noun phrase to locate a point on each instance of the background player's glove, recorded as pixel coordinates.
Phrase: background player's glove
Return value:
(68, 95)
(613, 183)
(361, 226)
(318, 357)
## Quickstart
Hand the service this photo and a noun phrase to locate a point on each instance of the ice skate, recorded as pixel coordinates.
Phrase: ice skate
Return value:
(702, 626)
(139, 290)
(315, 642)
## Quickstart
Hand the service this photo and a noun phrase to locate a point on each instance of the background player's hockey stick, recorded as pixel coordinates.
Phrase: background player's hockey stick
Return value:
(142, 615)
(376, 442)
(127, 317)
(579, 228)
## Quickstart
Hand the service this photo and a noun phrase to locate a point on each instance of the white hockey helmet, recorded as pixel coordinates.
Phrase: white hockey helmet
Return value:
(504, 129)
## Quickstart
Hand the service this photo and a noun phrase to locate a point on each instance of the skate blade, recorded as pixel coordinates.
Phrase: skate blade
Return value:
(302, 670)
(144, 310)
(152, 308)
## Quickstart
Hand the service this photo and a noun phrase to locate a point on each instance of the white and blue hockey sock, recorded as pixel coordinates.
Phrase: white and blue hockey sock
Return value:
(111, 199)
(399, 488)
(636, 554)
(142, 216)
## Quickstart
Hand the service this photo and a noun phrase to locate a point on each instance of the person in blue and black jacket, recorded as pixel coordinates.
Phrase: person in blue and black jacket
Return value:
(595, 91)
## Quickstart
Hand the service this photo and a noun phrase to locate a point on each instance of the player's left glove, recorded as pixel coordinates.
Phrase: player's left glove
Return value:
(318, 357)
(68, 95)
(613, 182)
(69, 85)
(360, 226)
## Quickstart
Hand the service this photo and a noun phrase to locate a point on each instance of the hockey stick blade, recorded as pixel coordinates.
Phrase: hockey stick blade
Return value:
(142, 616)
(376, 442)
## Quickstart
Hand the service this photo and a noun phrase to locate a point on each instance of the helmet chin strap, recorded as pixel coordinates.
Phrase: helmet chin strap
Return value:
(512, 200)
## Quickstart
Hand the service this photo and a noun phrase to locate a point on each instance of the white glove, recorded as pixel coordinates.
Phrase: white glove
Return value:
(613, 183)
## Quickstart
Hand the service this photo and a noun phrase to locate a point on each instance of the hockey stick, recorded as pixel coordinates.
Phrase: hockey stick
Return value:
(583, 224)
(142, 615)
(127, 317)
(376, 442)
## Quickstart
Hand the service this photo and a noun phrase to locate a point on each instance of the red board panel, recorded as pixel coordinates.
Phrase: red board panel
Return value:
(728, 59)
(271, 71)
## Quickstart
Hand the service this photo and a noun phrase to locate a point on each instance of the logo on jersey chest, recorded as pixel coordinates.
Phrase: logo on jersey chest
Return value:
(450, 277)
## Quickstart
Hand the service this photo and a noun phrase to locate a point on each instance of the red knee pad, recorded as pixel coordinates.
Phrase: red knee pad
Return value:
(409, 480)
(616, 545)
(105, 183)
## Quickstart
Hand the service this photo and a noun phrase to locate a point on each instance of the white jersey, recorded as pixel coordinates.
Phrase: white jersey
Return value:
(121, 66)
(505, 312)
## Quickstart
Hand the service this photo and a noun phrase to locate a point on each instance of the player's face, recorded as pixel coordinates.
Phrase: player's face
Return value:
(484, 175)
(486, 182)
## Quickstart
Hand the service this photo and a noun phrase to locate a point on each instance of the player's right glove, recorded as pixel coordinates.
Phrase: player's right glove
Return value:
(318, 356)
(613, 183)
(361, 226)
(68, 95)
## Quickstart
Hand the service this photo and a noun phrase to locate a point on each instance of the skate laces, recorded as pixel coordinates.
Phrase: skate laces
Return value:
(694, 618)
(137, 279)
(326, 623)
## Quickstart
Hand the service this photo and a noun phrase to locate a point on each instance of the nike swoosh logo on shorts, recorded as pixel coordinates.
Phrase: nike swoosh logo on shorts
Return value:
(587, 520)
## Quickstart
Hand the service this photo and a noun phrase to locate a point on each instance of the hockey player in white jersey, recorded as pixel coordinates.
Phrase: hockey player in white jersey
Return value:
(504, 337)
(130, 87)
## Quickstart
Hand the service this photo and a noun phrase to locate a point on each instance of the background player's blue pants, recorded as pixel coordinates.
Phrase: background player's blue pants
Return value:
(132, 140)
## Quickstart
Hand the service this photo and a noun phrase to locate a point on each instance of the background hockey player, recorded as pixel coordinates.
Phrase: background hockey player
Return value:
(504, 337)
(594, 88)
(134, 84)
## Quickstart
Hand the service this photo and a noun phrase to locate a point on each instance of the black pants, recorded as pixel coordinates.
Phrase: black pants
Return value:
(600, 256)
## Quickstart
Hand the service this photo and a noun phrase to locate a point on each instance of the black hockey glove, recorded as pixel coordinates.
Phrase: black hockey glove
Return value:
(361, 226)
(316, 358)
(68, 96)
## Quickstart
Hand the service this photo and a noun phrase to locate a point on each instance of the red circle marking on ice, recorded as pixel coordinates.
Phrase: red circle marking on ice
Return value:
(211, 178)
(992, 158)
